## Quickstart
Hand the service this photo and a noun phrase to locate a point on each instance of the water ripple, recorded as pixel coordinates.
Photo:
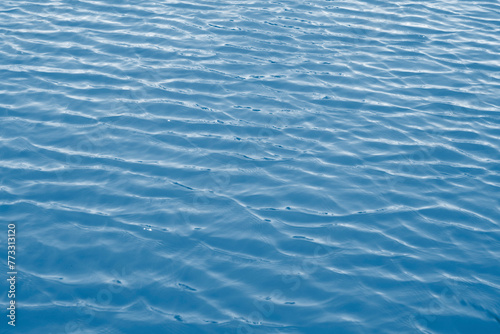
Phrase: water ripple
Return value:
(252, 167)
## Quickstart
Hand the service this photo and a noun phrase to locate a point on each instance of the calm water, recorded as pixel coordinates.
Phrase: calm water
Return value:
(251, 166)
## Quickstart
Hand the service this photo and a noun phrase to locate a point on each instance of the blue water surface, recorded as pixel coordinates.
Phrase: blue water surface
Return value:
(251, 166)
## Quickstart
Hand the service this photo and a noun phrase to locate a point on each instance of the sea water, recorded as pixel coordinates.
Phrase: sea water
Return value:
(250, 166)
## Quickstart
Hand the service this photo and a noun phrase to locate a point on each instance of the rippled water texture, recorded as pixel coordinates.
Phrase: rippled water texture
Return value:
(251, 166)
